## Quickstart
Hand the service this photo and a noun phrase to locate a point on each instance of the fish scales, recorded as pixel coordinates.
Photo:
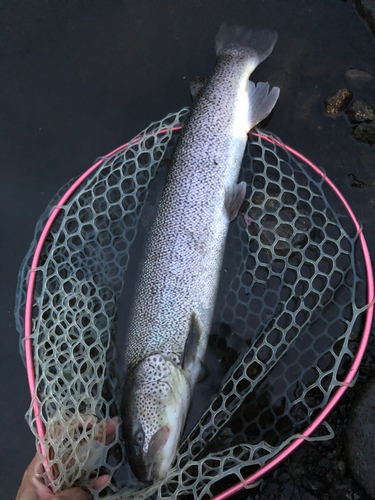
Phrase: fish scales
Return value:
(185, 248)
(178, 282)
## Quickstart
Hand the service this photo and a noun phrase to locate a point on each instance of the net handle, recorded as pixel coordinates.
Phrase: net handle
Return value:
(357, 359)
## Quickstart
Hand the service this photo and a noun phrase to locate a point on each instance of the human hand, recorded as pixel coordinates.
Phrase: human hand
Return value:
(33, 489)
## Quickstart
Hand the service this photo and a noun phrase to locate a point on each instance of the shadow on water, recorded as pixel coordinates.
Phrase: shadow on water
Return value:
(77, 82)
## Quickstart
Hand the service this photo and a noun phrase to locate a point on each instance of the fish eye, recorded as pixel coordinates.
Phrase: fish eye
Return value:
(139, 437)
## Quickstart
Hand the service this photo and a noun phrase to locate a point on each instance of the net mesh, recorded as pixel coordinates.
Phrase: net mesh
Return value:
(288, 308)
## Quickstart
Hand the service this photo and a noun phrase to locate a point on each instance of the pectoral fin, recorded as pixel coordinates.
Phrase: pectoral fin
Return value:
(191, 344)
(233, 200)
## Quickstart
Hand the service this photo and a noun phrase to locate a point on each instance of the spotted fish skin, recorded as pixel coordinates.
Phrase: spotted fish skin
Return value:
(177, 287)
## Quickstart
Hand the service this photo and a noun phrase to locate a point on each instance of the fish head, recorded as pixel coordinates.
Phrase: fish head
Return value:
(155, 402)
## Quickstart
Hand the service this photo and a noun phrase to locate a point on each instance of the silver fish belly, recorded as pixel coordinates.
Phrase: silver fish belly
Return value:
(177, 288)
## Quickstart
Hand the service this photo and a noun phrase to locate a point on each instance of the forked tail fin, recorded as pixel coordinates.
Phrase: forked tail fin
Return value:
(258, 44)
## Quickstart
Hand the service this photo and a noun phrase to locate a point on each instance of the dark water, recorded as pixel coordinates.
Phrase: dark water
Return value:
(79, 79)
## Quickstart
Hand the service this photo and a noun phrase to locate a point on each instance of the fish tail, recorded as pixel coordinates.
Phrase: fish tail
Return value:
(239, 43)
(257, 44)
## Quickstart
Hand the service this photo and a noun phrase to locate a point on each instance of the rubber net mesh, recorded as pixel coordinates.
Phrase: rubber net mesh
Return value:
(287, 315)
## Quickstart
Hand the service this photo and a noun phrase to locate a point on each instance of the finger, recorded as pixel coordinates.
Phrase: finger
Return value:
(72, 494)
(112, 425)
(101, 482)
(36, 465)
(109, 427)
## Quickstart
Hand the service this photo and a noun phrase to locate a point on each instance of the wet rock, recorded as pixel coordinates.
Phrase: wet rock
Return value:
(293, 492)
(366, 9)
(341, 467)
(271, 491)
(356, 182)
(359, 111)
(365, 132)
(342, 490)
(338, 101)
(361, 438)
(315, 484)
(358, 78)
(324, 463)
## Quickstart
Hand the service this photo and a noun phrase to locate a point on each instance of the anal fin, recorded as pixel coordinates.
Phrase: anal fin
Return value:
(234, 198)
(261, 101)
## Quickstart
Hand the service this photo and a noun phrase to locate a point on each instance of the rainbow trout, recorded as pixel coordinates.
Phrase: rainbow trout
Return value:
(177, 288)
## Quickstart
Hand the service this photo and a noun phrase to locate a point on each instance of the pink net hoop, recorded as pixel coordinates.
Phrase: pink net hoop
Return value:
(28, 338)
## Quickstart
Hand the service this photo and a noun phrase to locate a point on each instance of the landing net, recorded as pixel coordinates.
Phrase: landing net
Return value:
(287, 326)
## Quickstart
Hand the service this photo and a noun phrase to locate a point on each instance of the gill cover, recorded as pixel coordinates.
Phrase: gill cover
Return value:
(155, 403)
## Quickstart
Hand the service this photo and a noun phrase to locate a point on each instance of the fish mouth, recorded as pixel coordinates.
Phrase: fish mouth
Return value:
(151, 466)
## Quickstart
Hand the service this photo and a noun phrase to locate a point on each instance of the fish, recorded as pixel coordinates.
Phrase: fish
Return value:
(178, 280)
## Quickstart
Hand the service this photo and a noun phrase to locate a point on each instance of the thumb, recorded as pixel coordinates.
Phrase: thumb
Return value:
(73, 494)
